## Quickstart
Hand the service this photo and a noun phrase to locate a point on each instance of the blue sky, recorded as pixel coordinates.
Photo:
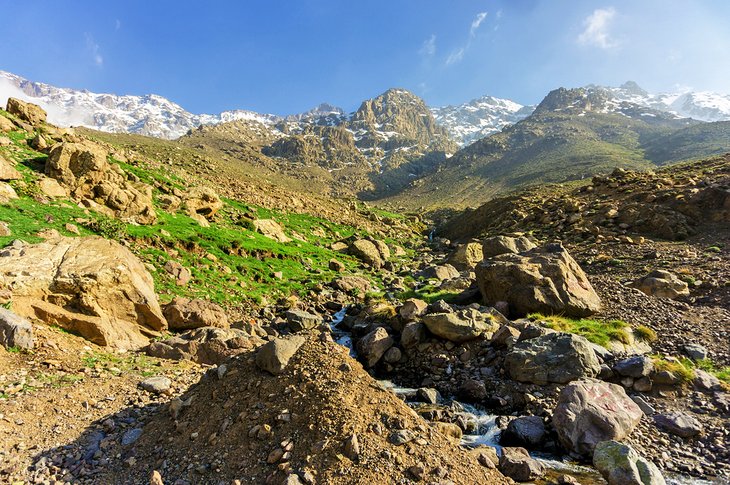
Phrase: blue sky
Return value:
(286, 56)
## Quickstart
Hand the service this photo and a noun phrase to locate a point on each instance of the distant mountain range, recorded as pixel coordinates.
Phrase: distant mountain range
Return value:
(156, 116)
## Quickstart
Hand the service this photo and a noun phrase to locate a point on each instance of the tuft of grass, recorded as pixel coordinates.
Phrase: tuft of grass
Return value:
(722, 373)
(682, 369)
(596, 331)
(13, 350)
(429, 294)
(644, 333)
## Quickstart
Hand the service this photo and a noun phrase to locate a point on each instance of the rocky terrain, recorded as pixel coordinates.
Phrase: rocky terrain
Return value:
(173, 316)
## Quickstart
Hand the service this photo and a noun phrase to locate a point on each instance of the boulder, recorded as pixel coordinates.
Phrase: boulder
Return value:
(51, 188)
(274, 356)
(352, 284)
(299, 320)
(590, 411)
(7, 170)
(679, 424)
(412, 334)
(463, 325)
(556, 357)
(494, 246)
(202, 202)
(15, 331)
(466, 256)
(450, 430)
(636, 366)
(156, 385)
(271, 229)
(367, 252)
(412, 308)
(544, 280)
(32, 113)
(204, 345)
(620, 464)
(663, 284)
(527, 431)
(374, 345)
(90, 286)
(7, 193)
(441, 273)
(178, 272)
(6, 124)
(517, 464)
(185, 314)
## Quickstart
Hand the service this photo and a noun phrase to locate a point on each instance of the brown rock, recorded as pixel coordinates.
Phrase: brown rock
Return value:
(32, 113)
(184, 314)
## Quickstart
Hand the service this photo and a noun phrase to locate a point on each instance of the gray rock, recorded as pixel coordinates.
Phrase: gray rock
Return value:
(695, 351)
(443, 272)
(299, 320)
(185, 314)
(590, 411)
(352, 448)
(705, 381)
(620, 464)
(527, 431)
(517, 464)
(130, 436)
(15, 331)
(556, 357)
(401, 437)
(428, 395)
(678, 423)
(494, 246)
(412, 308)
(156, 385)
(412, 335)
(463, 325)
(636, 366)
(662, 284)
(274, 356)
(644, 405)
(374, 345)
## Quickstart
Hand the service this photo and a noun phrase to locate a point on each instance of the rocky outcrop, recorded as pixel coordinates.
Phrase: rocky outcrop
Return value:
(663, 284)
(32, 113)
(545, 280)
(204, 345)
(620, 464)
(90, 286)
(202, 204)
(271, 229)
(84, 170)
(464, 325)
(185, 314)
(555, 357)
(590, 411)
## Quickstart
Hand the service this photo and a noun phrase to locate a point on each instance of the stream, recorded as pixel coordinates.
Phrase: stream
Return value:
(487, 431)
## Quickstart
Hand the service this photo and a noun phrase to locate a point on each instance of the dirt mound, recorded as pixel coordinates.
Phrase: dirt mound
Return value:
(248, 425)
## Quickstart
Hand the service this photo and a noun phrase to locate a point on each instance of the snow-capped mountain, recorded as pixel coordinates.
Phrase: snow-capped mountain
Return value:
(479, 117)
(150, 115)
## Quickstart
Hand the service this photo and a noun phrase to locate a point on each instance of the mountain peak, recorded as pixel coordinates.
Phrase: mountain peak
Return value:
(632, 88)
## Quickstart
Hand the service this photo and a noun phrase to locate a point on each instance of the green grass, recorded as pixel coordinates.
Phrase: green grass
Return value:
(722, 373)
(429, 294)
(597, 331)
(682, 369)
(645, 334)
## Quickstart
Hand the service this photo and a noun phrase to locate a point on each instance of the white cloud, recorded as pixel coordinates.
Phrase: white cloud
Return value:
(428, 49)
(93, 49)
(455, 56)
(597, 26)
(476, 23)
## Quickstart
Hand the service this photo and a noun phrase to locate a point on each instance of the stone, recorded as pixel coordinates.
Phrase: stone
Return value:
(543, 280)
(32, 113)
(620, 464)
(374, 345)
(51, 188)
(401, 437)
(526, 431)
(204, 345)
(7, 170)
(15, 331)
(494, 246)
(299, 320)
(6, 124)
(178, 272)
(130, 436)
(450, 430)
(393, 355)
(5, 229)
(636, 366)
(662, 284)
(695, 351)
(336, 265)
(473, 391)
(442, 272)
(90, 286)
(590, 411)
(486, 456)
(7, 193)
(679, 424)
(463, 325)
(412, 334)
(517, 464)
(156, 478)
(704, 381)
(428, 395)
(352, 285)
(506, 336)
(156, 385)
(557, 357)
(412, 308)
(274, 356)
(644, 405)
(202, 202)
(367, 252)
(184, 314)
(352, 448)
(271, 229)
(642, 384)
(466, 256)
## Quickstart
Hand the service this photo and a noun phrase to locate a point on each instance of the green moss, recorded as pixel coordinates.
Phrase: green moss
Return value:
(597, 331)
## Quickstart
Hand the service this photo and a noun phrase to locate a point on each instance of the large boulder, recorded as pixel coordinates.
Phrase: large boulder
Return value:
(15, 331)
(202, 203)
(527, 431)
(555, 357)
(517, 464)
(467, 256)
(271, 229)
(32, 113)
(83, 169)
(90, 286)
(7, 170)
(545, 280)
(678, 423)
(374, 345)
(620, 464)
(274, 356)
(662, 284)
(185, 314)
(590, 411)
(367, 252)
(440, 272)
(496, 245)
(463, 325)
